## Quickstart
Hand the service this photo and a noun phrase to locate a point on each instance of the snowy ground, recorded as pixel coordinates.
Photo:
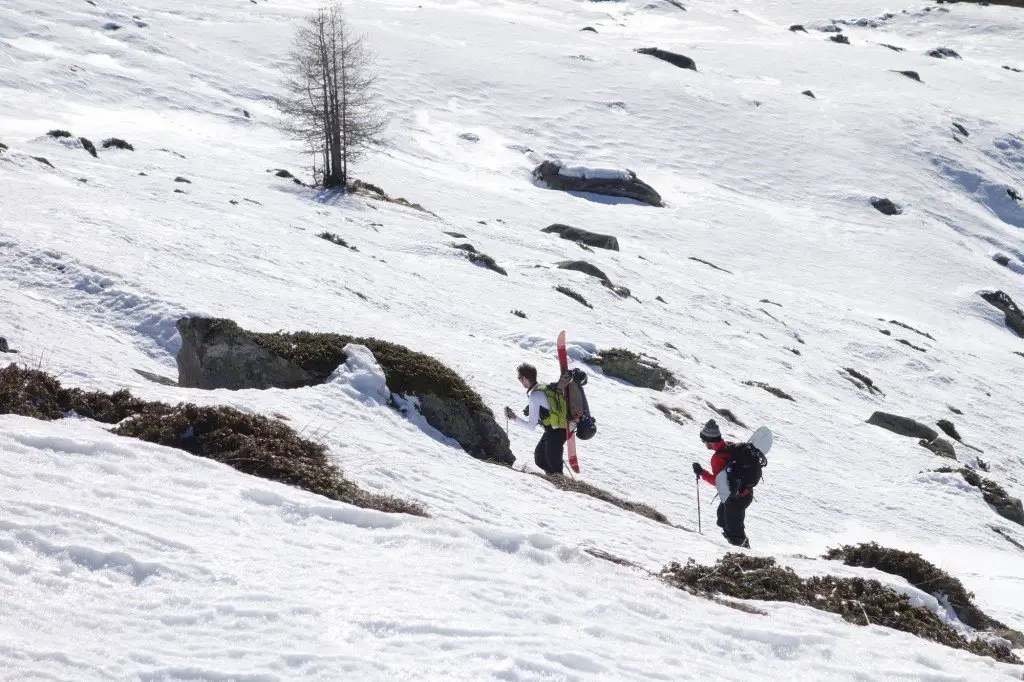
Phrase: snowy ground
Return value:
(121, 560)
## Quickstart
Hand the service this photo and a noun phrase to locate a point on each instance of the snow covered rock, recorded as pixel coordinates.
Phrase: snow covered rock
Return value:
(598, 241)
(886, 206)
(940, 446)
(903, 426)
(631, 368)
(219, 354)
(682, 61)
(1002, 301)
(609, 182)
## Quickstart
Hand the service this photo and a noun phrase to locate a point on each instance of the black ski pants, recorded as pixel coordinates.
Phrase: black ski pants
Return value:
(548, 453)
(731, 516)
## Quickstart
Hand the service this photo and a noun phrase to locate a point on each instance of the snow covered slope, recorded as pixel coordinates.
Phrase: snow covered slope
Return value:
(125, 560)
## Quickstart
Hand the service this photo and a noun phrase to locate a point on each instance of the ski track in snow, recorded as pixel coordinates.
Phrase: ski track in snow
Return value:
(208, 574)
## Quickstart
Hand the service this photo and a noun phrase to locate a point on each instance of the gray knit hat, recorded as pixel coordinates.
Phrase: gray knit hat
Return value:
(711, 433)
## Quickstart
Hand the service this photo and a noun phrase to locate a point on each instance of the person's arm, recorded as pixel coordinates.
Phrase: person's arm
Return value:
(537, 401)
(717, 464)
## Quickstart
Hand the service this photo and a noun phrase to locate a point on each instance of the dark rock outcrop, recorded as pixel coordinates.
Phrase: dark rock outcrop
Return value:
(219, 354)
(912, 75)
(886, 206)
(622, 184)
(634, 369)
(809, 94)
(903, 426)
(596, 272)
(1013, 315)
(682, 61)
(575, 234)
(4, 348)
(942, 53)
(949, 429)
(797, 27)
(840, 38)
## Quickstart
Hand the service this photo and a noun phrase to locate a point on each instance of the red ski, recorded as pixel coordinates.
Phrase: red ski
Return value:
(570, 437)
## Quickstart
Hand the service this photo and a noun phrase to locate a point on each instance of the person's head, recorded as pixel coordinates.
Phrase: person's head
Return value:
(711, 434)
(527, 375)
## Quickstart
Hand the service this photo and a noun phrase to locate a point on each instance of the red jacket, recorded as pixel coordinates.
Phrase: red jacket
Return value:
(719, 460)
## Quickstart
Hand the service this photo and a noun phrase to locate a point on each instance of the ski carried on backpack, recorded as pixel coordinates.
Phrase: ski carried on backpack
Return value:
(570, 436)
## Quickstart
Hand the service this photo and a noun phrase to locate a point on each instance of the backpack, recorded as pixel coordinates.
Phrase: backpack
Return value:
(744, 467)
(557, 415)
(578, 409)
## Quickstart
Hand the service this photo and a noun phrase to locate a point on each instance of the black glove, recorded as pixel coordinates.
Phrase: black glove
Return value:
(697, 469)
(510, 413)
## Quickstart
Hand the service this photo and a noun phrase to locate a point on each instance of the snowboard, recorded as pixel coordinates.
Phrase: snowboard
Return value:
(570, 437)
(762, 439)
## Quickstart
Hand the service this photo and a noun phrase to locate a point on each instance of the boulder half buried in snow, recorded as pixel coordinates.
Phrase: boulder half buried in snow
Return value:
(682, 61)
(1002, 302)
(575, 234)
(217, 353)
(903, 426)
(605, 181)
(634, 369)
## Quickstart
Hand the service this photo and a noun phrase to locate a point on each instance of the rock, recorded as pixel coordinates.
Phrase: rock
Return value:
(885, 206)
(88, 146)
(942, 53)
(1002, 259)
(4, 348)
(594, 271)
(1002, 301)
(469, 137)
(588, 29)
(949, 429)
(840, 38)
(181, 179)
(584, 267)
(575, 234)
(1014, 194)
(962, 130)
(1013, 68)
(617, 184)
(682, 61)
(797, 27)
(894, 48)
(219, 354)
(912, 75)
(903, 426)
(43, 160)
(633, 369)
(940, 446)
(155, 378)
(809, 94)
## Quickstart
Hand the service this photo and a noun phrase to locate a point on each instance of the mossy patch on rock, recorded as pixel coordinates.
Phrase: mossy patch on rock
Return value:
(923, 575)
(634, 369)
(217, 353)
(857, 600)
(252, 444)
(995, 495)
(573, 295)
(575, 485)
(777, 392)
(256, 445)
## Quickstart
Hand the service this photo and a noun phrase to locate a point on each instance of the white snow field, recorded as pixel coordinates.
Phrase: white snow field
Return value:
(125, 560)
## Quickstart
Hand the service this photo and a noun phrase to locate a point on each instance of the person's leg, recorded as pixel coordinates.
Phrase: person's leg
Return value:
(721, 515)
(540, 453)
(555, 440)
(735, 520)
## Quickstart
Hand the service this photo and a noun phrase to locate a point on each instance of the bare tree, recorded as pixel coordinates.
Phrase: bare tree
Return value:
(329, 103)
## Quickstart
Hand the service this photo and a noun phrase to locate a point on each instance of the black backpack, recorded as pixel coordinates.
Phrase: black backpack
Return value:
(744, 467)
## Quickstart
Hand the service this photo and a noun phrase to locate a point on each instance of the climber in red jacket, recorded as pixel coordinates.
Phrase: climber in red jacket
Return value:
(732, 510)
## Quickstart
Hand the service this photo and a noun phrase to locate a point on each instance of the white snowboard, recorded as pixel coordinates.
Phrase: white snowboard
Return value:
(762, 439)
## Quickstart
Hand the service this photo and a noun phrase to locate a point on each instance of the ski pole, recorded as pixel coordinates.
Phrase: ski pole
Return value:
(699, 529)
